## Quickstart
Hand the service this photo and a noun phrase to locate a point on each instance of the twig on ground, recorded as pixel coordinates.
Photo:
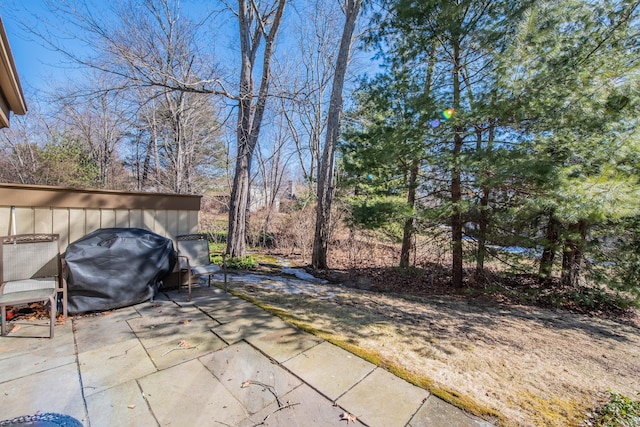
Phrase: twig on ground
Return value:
(182, 345)
(264, 420)
(271, 389)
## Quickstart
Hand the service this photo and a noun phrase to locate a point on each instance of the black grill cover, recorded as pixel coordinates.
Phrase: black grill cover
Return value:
(116, 267)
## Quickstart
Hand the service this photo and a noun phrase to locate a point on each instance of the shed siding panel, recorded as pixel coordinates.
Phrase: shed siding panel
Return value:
(122, 218)
(61, 226)
(107, 218)
(77, 219)
(92, 220)
(5, 221)
(149, 219)
(135, 218)
(43, 220)
(24, 220)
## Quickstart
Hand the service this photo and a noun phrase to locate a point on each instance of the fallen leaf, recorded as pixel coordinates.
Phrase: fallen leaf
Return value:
(186, 321)
(349, 418)
(131, 406)
(184, 344)
(245, 384)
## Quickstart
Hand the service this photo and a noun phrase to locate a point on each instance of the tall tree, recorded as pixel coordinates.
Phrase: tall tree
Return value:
(255, 25)
(466, 34)
(576, 71)
(325, 174)
(385, 149)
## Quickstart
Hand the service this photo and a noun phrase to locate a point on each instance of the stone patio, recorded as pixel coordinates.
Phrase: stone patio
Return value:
(217, 360)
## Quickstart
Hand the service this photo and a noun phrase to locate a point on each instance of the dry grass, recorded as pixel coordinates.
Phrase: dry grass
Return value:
(514, 365)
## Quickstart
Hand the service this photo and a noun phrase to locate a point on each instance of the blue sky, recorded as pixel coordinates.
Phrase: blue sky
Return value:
(40, 68)
(34, 62)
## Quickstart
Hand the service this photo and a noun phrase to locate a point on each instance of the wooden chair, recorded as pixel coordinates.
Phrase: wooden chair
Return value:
(31, 271)
(194, 258)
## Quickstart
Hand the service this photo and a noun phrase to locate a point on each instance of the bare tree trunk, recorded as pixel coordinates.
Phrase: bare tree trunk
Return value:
(325, 174)
(407, 235)
(483, 221)
(572, 254)
(456, 188)
(551, 241)
(239, 208)
(249, 115)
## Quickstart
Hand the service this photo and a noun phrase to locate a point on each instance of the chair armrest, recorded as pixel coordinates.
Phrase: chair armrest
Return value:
(186, 258)
(63, 284)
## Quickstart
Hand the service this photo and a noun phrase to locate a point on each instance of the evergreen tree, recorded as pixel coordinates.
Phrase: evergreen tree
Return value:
(456, 41)
(575, 71)
(382, 156)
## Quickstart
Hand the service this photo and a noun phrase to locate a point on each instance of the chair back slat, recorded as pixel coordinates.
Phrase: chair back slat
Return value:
(196, 250)
(29, 258)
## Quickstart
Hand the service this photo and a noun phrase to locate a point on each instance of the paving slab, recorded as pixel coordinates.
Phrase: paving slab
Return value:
(98, 330)
(383, 400)
(233, 312)
(283, 343)
(31, 333)
(54, 390)
(190, 395)
(437, 413)
(160, 303)
(122, 406)
(221, 306)
(185, 347)
(38, 328)
(329, 369)
(303, 406)
(167, 316)
(23, 355)
(113, 364)
(245, 327)
(251, 377)
(166, 327)
(198, 293)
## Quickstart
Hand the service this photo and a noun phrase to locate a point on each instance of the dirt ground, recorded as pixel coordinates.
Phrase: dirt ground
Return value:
(514, 365)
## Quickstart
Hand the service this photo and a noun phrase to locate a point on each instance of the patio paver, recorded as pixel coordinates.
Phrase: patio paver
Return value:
(303, 406)
(53, 390)
(101, 329)
(184, 347)
(189, 395)
(123, 405)
(21, 356)
(382, 399)
(245, 327)
(251, 377)
(438, 413)
(329, 369)
(283, 343)
(113, 364)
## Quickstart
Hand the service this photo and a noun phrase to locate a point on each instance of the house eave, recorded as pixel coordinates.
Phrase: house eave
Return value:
(12, 97)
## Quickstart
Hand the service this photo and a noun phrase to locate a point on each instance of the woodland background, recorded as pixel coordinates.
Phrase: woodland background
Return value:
(331, 112)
